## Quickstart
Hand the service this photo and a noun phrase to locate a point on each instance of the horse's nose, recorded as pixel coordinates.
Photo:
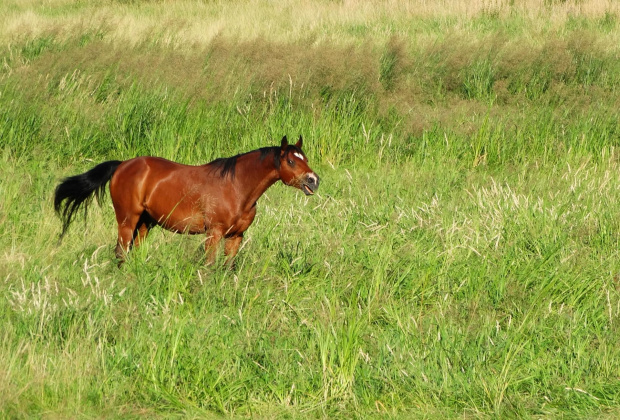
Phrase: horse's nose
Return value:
(313, 179)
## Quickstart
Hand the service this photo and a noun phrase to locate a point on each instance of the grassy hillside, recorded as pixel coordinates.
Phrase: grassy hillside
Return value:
(460, 259)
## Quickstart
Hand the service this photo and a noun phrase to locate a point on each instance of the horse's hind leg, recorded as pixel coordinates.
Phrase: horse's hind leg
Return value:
(127, 224)
(145, 223)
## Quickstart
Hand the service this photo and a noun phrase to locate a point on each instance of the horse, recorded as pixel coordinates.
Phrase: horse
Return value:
(217, 199)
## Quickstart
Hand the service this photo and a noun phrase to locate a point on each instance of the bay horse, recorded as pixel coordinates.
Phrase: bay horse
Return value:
(218, 198)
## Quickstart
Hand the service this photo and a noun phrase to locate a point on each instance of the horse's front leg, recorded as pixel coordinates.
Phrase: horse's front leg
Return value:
(231, 248)
(213, 239)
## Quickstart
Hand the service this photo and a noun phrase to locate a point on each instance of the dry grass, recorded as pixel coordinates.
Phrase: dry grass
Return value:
(186, 24)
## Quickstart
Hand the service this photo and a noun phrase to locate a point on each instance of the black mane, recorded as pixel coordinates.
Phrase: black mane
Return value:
(226, 166)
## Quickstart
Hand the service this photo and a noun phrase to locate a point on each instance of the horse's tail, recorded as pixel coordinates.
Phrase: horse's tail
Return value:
(78, 190)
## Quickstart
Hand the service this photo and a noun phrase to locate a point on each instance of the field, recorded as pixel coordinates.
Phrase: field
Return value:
(461, 257)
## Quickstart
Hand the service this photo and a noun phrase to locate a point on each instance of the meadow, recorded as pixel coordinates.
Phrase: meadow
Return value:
(461, 257)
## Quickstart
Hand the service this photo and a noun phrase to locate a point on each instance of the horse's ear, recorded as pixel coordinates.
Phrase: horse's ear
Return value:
(299, 142)
(284, 143)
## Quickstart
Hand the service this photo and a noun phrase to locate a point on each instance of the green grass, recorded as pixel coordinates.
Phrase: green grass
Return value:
(460, 258)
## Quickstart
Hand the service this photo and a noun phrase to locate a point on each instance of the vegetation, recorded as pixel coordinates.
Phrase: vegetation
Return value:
(460, 260)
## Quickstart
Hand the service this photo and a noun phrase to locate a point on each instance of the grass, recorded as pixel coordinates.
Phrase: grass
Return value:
(459, 260)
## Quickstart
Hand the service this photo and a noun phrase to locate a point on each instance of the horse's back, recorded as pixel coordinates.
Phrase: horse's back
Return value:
(154, 164)
(151, 167)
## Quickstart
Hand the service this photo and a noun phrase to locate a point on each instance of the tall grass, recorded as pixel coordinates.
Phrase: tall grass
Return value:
(460, 259)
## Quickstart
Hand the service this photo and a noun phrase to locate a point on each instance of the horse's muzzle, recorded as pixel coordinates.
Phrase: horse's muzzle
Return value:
(310, 184)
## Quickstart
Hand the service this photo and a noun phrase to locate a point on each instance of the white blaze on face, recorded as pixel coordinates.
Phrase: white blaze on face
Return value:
(299, 156)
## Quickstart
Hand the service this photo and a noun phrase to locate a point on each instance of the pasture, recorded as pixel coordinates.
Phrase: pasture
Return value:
(460, 258)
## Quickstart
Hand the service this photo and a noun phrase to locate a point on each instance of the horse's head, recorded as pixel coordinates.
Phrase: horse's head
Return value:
(294, 169)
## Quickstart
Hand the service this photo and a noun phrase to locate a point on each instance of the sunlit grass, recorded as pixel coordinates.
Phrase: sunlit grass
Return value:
(478, 294)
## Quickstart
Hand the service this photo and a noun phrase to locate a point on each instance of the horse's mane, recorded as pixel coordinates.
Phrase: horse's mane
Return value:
(226, 166)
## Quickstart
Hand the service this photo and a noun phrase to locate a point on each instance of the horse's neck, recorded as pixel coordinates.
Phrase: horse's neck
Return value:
(254, 178)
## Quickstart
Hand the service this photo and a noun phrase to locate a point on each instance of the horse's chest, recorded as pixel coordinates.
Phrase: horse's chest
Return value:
(237, 222)
(245, 219)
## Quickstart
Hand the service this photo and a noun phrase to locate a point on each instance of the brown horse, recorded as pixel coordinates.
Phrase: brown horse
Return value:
(218, 198)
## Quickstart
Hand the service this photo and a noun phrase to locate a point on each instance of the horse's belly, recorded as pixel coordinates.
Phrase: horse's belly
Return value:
(179, 219)
(189, 225)
(179, 209)
(196, 214)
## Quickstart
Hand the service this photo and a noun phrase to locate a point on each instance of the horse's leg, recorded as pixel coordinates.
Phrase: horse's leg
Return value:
(231, 247)
(127, 223)
(213, 238)
(140, 235)
(143, 227)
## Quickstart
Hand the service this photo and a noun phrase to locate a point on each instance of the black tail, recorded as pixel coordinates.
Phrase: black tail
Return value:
(78, 190)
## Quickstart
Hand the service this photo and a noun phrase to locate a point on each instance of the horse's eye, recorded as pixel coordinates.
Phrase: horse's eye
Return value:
(290, 162)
